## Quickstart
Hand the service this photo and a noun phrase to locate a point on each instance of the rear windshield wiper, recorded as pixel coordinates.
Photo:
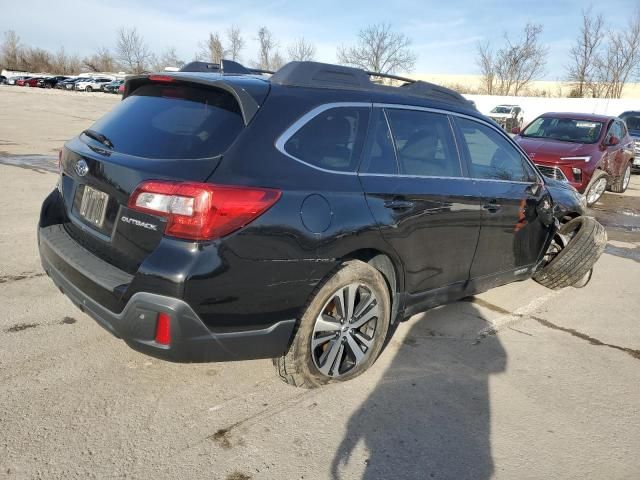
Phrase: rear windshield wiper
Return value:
(99, 137)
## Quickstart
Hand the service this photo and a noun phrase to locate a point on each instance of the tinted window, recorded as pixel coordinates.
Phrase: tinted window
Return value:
(380, 156)
(492, 156)
(632, 120)
(564, 129)
(332, 140)
(161, 121)
(424, 143)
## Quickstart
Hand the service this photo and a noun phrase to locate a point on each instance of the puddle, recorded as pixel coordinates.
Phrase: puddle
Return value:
(620, 214)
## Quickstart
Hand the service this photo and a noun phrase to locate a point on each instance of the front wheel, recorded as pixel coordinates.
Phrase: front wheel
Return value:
(89, 89)
(342, 331)
(596, 187)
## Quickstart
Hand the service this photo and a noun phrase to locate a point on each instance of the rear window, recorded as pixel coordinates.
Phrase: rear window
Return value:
(173, 121)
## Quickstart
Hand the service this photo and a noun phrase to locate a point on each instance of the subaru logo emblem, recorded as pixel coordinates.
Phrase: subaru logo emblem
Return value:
(82, 168)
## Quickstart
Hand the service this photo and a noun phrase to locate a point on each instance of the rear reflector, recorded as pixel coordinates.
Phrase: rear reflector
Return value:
(163, 329)
(202, 211)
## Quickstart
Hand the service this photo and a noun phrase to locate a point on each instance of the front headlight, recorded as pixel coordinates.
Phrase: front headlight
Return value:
(584, 159)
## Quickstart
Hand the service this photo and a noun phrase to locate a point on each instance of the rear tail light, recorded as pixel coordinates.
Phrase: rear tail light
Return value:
(163, 329)
(202, 211)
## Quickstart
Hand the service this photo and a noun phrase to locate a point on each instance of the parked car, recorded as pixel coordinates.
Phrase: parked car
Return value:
(591, 152)
(121, 89)
(13, 80)
(213, 217)
(507, 116)
(32, 82)
(632, 121)
(51, 82)
(112, 87)
(71, 84)
(91, 84)
(21, 82)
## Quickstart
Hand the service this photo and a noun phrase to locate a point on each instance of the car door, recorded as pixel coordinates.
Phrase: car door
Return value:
(425, 205)
(511, 236)
(624, 152)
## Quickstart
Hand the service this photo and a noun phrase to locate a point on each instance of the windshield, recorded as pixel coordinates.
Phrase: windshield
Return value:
(501, 109)
(171, 122)
(632, 119)
(564, 130)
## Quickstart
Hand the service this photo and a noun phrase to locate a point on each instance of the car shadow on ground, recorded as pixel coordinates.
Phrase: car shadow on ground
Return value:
(429, 416)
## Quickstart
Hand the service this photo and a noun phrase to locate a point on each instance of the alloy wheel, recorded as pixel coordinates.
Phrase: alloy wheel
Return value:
(344, 332)
(596, 191)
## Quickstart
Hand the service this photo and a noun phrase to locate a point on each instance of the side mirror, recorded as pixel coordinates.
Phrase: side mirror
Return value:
(613, 140)
(516, 130)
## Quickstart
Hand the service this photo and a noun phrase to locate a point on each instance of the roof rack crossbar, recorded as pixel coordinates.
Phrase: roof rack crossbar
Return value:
(323, 75)
(392, 77)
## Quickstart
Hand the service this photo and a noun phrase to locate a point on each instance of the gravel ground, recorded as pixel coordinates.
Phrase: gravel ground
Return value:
(519, 382)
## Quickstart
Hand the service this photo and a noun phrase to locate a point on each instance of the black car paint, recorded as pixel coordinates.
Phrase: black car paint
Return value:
(254, 283)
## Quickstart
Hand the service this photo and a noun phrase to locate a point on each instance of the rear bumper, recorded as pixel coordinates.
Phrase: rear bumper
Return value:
(191, 340)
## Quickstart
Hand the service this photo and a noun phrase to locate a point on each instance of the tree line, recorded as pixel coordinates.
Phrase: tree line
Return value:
(600, 62)
(377, 48)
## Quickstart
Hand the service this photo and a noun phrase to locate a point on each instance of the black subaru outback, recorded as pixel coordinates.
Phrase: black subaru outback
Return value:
(227, 215)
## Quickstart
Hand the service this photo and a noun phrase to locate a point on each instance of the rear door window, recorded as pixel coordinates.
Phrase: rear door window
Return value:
(424, 143)
(332, 140)
(173, 121)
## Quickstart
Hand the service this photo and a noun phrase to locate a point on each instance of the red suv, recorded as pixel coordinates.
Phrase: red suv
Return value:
(591, 152)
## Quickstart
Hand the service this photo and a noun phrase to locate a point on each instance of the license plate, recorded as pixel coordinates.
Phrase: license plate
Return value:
(93, 206)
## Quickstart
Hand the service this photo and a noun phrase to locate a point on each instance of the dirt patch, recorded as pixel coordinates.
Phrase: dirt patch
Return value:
(223, 438)
(68, 321)
(21, 276)
(238, 476)
(19, 327)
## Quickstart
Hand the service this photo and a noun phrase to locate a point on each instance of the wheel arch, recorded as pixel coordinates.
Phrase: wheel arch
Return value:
(391, 271)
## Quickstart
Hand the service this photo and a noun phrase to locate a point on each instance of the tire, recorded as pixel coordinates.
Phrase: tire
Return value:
(596, 187)
(569, 267)
(333, 358)
(622, 183)
(89, 89)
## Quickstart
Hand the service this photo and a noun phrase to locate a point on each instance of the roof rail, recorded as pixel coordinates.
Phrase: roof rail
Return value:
(324, 75)
(225, 66)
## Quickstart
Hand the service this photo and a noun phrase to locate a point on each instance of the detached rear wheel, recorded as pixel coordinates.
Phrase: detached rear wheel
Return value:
(571, 256)
(342, 330)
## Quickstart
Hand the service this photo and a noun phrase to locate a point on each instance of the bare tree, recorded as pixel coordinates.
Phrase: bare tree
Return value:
(101, 61)
(10, 50)
(236, 43)
(132, 51)
(301, 51)
(379, 49)
(485, 61)
(583, 56)
(268, 56)
(168, 58)
(213, 50)
(520, 62)
(619, 61)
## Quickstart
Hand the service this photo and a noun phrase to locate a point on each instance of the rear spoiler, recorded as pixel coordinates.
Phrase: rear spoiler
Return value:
(249, 94)
(225, 66)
